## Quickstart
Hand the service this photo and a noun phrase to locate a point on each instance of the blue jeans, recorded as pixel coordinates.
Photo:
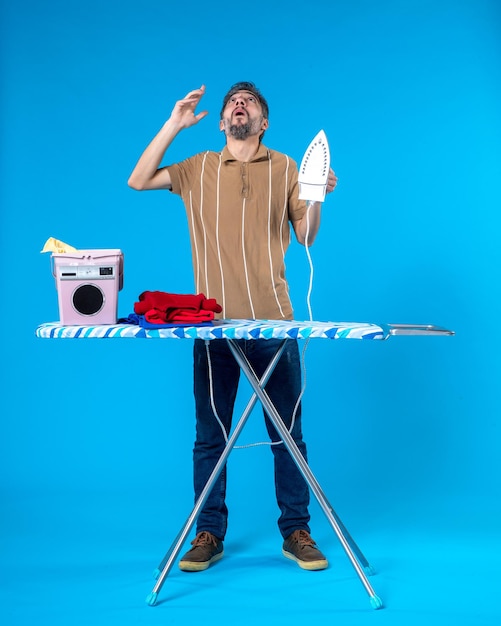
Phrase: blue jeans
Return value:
(283, 388)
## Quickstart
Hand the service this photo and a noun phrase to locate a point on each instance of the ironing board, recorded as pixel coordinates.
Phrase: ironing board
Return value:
(232, 331)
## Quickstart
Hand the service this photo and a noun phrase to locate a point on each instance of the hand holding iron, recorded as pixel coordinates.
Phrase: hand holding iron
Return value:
(331, 181)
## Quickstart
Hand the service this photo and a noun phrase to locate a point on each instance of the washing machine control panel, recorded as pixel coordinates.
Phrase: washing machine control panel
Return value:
(86, 272)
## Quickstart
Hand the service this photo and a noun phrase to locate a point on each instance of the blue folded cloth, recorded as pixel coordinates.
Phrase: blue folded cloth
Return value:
(139, 320)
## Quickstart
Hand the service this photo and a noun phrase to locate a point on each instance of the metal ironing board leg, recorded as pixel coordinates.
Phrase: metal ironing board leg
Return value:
(167, 562)
(303, 467)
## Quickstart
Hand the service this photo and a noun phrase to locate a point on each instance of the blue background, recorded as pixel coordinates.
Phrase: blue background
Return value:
(404, 435)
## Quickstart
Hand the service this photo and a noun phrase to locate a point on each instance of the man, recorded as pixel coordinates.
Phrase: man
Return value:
(239, 204)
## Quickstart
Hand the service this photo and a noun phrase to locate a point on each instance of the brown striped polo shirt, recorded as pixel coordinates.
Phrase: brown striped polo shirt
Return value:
(239, 216)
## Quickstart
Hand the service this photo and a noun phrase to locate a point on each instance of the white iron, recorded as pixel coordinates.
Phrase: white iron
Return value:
(314, 170)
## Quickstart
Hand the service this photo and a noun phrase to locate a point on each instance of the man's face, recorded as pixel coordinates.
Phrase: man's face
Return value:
(243, 116)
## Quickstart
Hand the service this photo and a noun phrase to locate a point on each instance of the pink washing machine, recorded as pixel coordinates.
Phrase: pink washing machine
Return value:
(88, 282)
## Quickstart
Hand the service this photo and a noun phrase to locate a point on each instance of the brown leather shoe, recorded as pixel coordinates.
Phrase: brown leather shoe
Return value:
(207, 549)
(300, 547)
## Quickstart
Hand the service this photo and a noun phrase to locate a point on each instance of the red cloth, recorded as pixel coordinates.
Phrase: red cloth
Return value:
(159, 307)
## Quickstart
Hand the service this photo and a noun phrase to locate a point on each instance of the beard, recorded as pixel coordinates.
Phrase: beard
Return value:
(240, 131)
(243, 131)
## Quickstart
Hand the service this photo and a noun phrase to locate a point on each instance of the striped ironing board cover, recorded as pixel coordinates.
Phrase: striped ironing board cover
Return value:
(219, 329)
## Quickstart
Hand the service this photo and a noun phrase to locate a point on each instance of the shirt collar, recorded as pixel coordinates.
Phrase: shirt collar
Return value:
(262, 154)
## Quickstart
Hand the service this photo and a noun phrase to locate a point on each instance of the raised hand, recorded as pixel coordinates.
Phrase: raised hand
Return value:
(183, 114)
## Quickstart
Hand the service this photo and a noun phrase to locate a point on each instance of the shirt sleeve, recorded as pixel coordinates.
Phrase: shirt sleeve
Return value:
(181, 174)
(176, 173)
(297, 207)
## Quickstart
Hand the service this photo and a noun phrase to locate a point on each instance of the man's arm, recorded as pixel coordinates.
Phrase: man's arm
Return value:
(306, 228)
(148, 174)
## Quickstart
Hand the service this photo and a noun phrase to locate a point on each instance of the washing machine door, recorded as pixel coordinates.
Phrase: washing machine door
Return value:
(88, 299)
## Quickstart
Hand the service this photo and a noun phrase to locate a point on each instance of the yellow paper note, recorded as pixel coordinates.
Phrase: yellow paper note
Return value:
(54, 245)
